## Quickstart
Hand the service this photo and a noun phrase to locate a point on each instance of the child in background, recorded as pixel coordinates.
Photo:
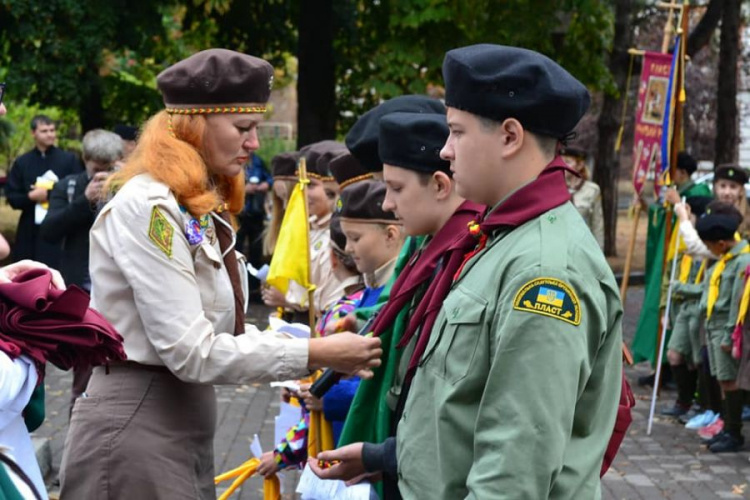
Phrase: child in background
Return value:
(321, 195)
(283, 169)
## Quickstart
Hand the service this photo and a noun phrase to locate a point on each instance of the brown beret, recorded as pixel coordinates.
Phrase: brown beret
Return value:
(363, 202)
(313, 152)
(217, 81)
(347, 170)
(284, 166)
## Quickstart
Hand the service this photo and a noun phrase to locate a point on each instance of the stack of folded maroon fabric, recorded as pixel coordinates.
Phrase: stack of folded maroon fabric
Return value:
(48, 324)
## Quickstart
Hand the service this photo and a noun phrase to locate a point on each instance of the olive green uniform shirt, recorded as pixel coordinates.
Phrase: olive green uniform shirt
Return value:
(517, 392)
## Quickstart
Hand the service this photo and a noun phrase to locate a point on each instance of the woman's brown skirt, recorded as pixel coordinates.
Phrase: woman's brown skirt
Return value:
(139, 432)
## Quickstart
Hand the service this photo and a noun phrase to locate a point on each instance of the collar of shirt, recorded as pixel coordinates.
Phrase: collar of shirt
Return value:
(381, 275)
(320, 223)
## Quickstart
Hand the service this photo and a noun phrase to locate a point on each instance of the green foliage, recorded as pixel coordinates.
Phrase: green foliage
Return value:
(271, 146)
(107, 53)
(17, 125)
(390, 47)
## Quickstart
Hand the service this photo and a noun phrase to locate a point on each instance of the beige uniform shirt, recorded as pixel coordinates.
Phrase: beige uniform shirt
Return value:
(328, 288)
(172, 301)
(588, 200)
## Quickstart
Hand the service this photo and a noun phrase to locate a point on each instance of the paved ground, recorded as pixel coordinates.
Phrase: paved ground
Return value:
(668, 464)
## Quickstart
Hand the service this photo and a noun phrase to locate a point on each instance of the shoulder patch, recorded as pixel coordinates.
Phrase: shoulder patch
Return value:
(160, 231)
(549, 297)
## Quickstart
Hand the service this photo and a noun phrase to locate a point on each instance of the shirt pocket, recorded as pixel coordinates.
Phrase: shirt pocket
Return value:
(452, 346)
(213, 279)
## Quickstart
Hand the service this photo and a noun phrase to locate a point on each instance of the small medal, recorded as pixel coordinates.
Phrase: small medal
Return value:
(210, 234)
(193, 232)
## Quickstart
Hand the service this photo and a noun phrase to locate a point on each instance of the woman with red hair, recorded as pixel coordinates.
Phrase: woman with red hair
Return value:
(165, 273)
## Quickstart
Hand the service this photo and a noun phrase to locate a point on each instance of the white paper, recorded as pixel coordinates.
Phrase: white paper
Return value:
(255, 448)
(40, 209)
(260, 274)
(297, 330)
(292, 385)
(288, 417)
(311, 487)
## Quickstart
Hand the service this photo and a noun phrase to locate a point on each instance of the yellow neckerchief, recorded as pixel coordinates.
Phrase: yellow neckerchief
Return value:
(672, 242)
(686, 264)
(744, 301)
(713, 284)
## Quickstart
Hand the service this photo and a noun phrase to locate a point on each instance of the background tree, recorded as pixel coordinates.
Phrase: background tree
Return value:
(727, 120)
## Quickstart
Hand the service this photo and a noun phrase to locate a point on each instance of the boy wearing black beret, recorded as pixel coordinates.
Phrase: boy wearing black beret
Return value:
(534, 301)
(720, 300)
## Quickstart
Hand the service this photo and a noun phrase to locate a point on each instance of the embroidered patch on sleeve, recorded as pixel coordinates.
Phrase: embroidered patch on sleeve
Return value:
(549, 297)
(160, 231)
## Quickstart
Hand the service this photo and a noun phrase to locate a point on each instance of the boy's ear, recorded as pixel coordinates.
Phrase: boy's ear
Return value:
(393, 232)
(442, 184)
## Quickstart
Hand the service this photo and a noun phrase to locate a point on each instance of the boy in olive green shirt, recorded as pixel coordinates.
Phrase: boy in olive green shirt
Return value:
(720, 302)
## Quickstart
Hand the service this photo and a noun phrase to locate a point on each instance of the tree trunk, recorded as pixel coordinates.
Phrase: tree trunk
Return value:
(91, 109)
(727, 133)
(607, 160)
(701, 34)
(316, 86)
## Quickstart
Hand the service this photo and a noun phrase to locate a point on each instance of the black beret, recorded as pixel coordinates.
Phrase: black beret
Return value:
(363, 202)
(731, 173)
(126, 132)
(362, 139)
(498, 82)
(284, 165)
(413, 141)
(338, 238)
(717, 227)
(347, 170)
(573, 151)
(313, 152)
(215, 78)
(686, 162)
(698, 204)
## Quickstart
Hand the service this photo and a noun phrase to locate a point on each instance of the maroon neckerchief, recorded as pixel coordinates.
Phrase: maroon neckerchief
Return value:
(422, 267)
(544, 193)
(47, 324)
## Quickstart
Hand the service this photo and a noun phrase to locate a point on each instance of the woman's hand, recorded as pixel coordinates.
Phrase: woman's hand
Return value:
(268, 466)
(346, 353)
(10, 271)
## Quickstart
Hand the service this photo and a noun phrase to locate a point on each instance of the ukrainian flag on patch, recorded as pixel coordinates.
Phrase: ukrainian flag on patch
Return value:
(550, 296)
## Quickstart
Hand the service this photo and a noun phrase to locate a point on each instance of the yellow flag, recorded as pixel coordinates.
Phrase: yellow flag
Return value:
(291, 258)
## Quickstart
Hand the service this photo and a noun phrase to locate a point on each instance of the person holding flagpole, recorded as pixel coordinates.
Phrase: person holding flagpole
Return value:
(165, 273)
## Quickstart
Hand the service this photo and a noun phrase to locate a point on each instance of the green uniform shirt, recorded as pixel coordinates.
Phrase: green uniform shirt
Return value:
(724, 314)
(517, 392)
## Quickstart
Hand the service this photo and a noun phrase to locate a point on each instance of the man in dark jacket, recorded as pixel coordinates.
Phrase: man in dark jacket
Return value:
(72, 210)
(24, 195)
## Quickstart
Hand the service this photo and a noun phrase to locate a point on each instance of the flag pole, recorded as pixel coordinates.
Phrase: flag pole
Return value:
(662, 341)
(674, 147)
(302, 169)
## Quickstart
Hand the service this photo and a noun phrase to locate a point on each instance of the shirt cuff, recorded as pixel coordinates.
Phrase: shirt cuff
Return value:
(380, 457)
(295, 358)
